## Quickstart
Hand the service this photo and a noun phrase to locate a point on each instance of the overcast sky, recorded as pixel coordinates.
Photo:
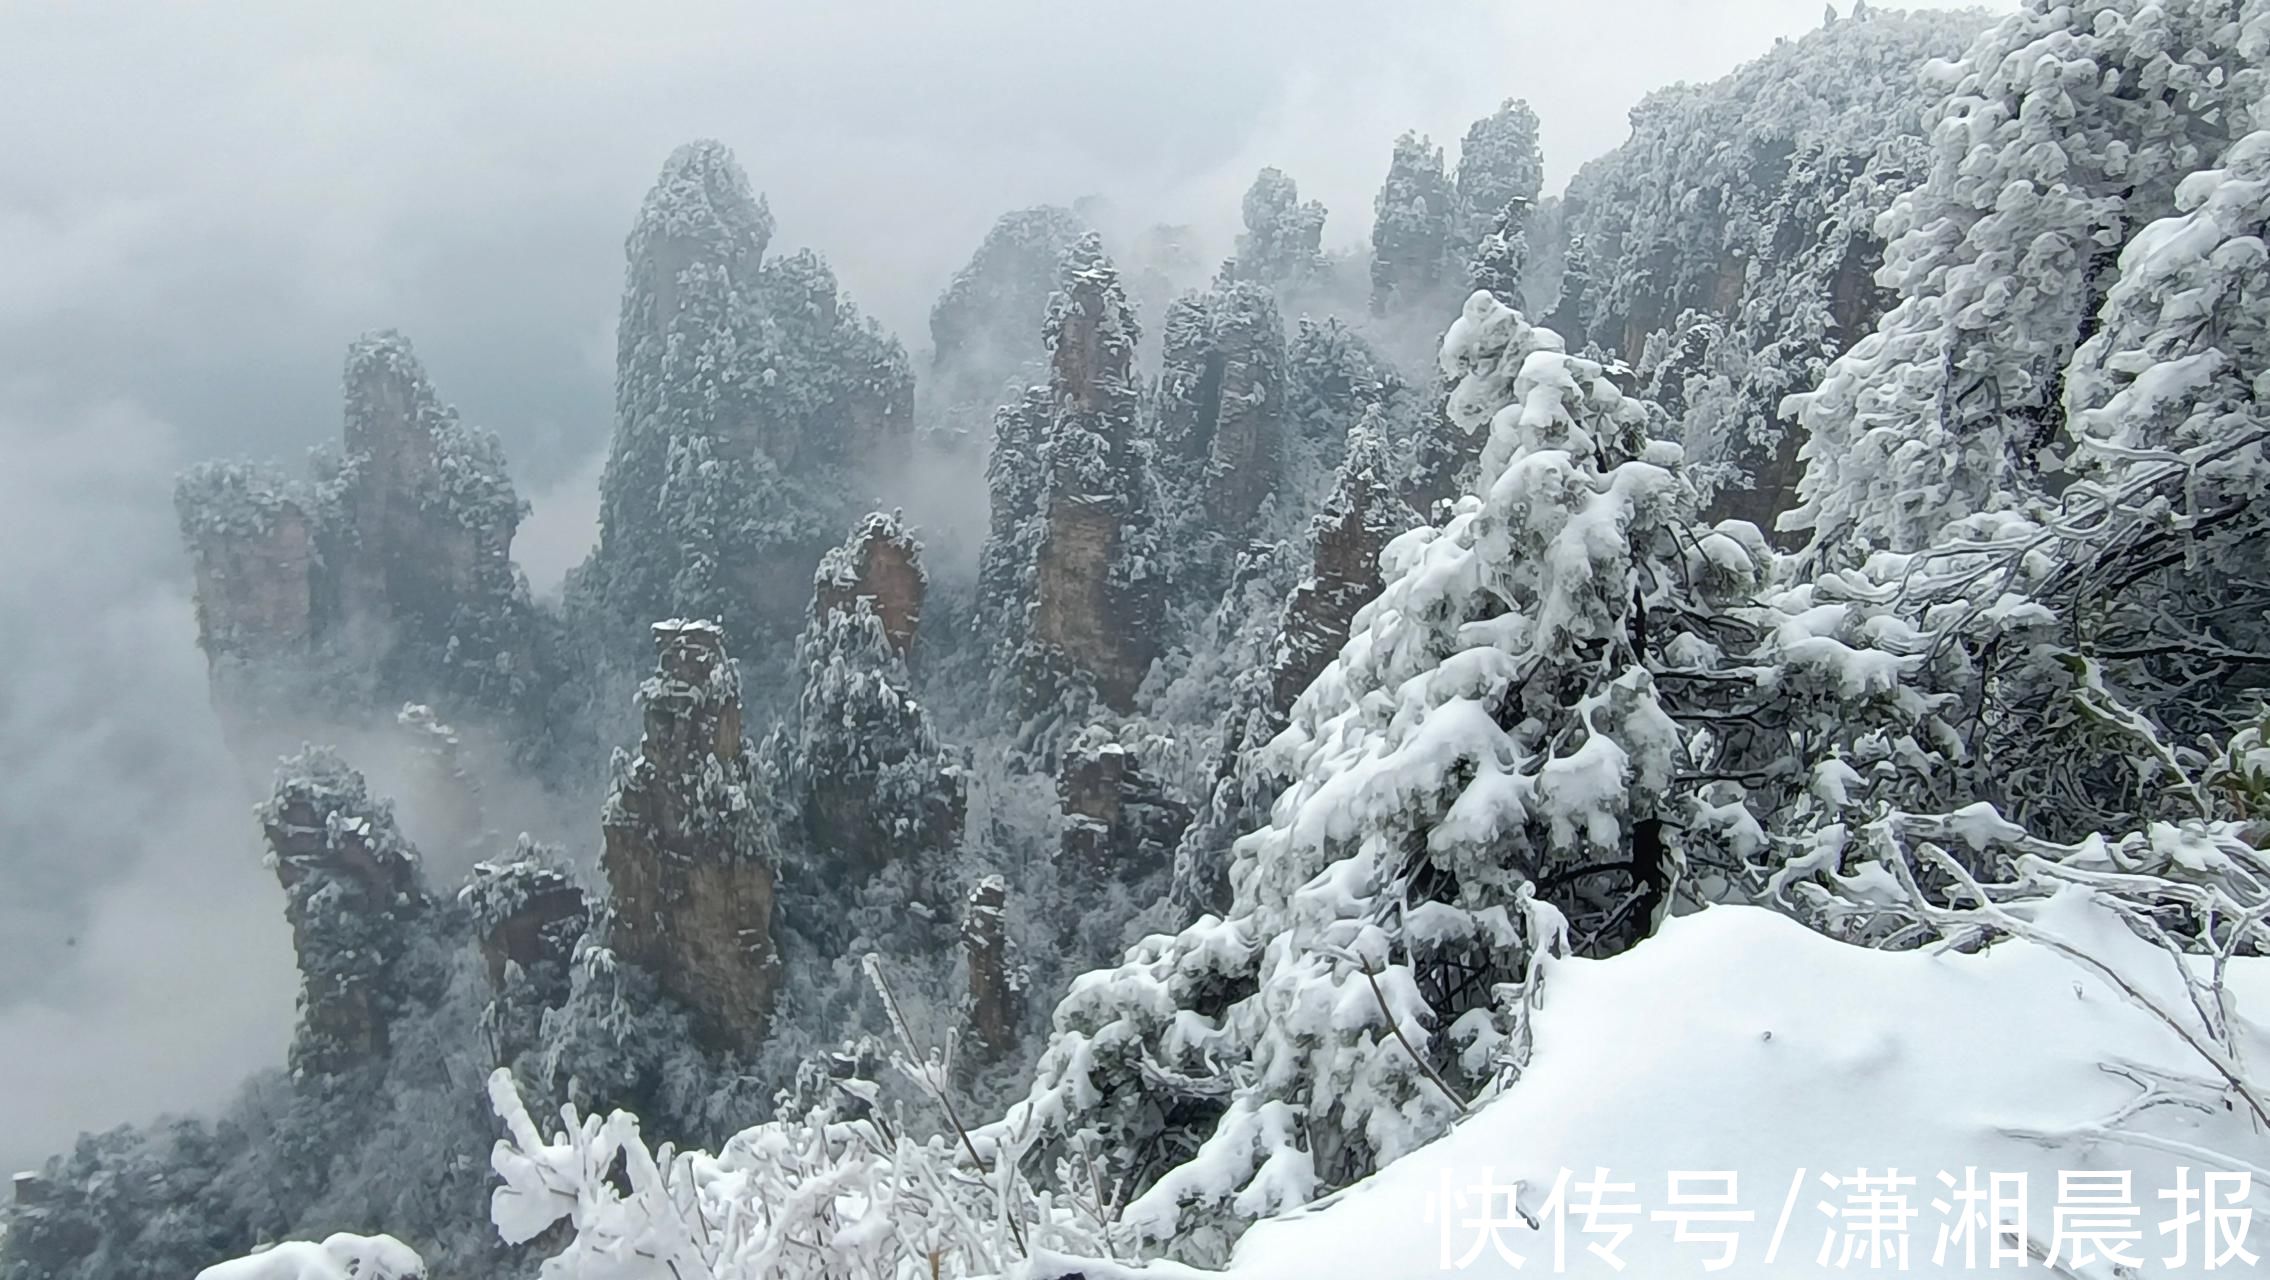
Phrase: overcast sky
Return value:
(201, 205)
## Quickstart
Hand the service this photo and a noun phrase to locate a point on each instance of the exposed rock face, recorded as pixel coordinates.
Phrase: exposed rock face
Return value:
(393, 565)
(1345, 541)
(1118, 821)
(688, 856)
(354, 899)
(252, 537)
(1222, 399)
(860, 759)
(995, 999)
(1068, 567)
(881, 564)
(749, 393)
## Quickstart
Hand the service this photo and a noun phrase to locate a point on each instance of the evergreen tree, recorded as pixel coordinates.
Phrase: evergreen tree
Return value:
(2068, 127)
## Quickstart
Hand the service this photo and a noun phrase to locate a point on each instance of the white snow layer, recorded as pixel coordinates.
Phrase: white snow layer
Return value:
(339, 1257)
(1738, 1041)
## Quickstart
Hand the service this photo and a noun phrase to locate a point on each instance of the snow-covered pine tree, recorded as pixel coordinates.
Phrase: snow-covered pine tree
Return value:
(2066, 127)
(1484, 772)
(1282, 245)
(2169, 414)
(1414, 249)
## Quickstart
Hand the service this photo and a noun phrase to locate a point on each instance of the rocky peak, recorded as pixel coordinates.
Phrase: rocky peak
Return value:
(688, 856)
(881, 564)
(1091, 601)
(748, 393)
(860, 760)
(253, 538)
(985, 328)
(528, 916)
(394, 564)
(1283, 240)
(701, 212)
(996, 987)
(429, 509)
(353, 896)
(1414, 227)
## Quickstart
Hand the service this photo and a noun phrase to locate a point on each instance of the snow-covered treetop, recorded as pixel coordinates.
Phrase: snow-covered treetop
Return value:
(2064, 129)
(2186, 331)
(342, 1256)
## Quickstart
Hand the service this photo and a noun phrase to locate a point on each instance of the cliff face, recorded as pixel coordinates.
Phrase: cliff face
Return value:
(1118, 820)
(392, 568)
(750, 394)
(354, 898)
(1222, 399)
(688, 857)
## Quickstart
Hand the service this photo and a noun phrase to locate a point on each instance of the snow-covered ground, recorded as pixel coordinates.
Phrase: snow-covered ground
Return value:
(1739, 1043)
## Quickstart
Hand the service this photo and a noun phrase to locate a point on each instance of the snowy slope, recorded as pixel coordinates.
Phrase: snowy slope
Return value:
(1738, 1040)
